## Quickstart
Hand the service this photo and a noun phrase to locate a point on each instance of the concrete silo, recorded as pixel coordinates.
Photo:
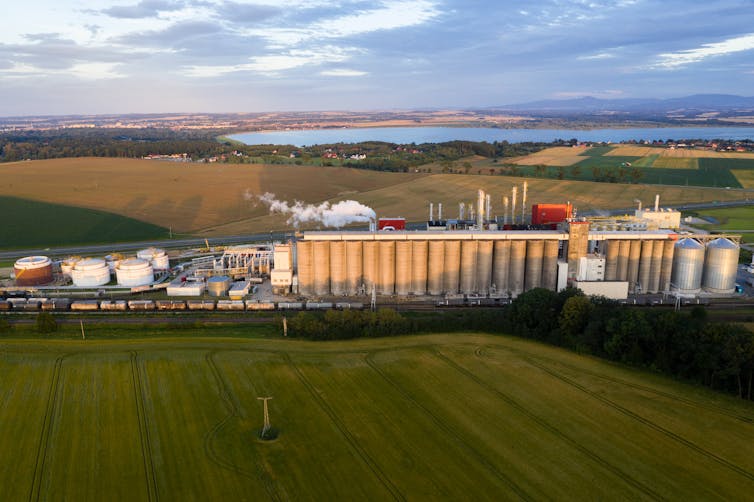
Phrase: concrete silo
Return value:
(321, 260)
(403, 267)
(354, 267)
(386, 266)
(467, 278)
(550, 265)
(517, 267)
(370, 265)
(484, 267)
(535, 251)
(500, 266)
(452, 267)
(305, 266)
(419, 252)
(338, 268)
(435, 267)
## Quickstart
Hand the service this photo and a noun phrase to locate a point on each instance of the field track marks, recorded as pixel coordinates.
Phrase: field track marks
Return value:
(625, 411)
(481, 352)
(146, 445)
(360, 451)
(448, 430)
(52, 398)
(551, 428)
(226, 395)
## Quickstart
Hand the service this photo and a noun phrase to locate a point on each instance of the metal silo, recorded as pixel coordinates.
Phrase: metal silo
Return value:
(386, 273)
(500, 265)
(369, 269)
(535, 251)
(452, 266)
(338, 267)
(419, 267)
(645, 265)
(634, 257)
(624, 248)
(321, 260)
(720, 266)
(688, 264)
(468, 267)
(667, 265)
(435, 267)
(402, 267)
(353, 267)
(305, 268)
(611, 260)
(517, 265)
(656, 266)
(550, 265)
(484, 267)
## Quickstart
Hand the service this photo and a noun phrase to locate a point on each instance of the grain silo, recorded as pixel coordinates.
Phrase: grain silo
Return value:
(720, 266)
(354, 268)
(403, 268)
(370, 268)
(90, 272)
(435, 264)
(33, 271)
(419, 267)
(535, 250)
(550, 265)
(611, 260)
(655, 269)
(321, 260)
(484, 267)
(645, 265)
(305, 268)
(500, 266)
(338, 267)
(452, 266)
(467, 280)
(134, 272)
(667, 265)
(688, 265)
(634, 258)
(624, 248)
(517, 267)
(386, 266)
(157, 257)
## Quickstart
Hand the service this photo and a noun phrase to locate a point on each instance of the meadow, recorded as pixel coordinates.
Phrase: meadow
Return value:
(466, 416)
(731, 220)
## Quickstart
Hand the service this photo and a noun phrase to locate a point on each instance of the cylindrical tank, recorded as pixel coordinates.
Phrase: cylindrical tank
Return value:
(66, 266)
(354, 264)
(134, 272)
(305, 268)
(386, 283)
(500, 265)
(550, 265)
(484, 267)
(645, 265)
(218, 285)
(721, 266)
(157, 257)
(370, 266)
(338, 267)
(624, 247)
(667, 265)
(634, 257)
(321, 259)
(33, 271)
(452, 266)
(611, 260)
(419, 267)
(402, 268)
(435, 267)
(90, 272)
(688, 264)
(467, 280)
(656, 266)
(517, 266)
(535, 251)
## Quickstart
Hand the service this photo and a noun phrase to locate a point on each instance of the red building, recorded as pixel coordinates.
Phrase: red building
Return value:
(391, 224)
(543, 214)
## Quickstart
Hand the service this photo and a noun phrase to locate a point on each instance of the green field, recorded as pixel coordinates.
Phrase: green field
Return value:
(30, 223)
(462, 417)
(731, 220)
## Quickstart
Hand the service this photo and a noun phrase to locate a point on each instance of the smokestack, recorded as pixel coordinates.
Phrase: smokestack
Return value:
(523, 203)
(470, 210)
(439, 211)
(431, 211)
(505, 210)
(480, 209)
(488, 208)
(461, 209)
(657, 202)
(514, 193)
(637, 200)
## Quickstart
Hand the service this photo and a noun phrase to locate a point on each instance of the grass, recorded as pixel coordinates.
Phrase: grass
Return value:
(427, 417)
(31, 223)
(731, 220)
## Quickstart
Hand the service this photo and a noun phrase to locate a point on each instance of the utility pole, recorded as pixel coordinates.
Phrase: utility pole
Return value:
(266, 416)
(285, 326)
(83, 337)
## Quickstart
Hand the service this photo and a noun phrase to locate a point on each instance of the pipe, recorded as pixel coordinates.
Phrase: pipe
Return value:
(657, 202)
(431, 211)
(514, 192)
(523, 203)
(461, 209)
(505, 212)
(488, 208)
(439, 211)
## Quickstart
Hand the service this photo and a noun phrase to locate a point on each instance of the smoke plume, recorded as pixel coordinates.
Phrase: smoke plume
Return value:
(329, 215)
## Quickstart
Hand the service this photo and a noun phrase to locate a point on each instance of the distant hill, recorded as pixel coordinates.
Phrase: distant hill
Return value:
(588, 104)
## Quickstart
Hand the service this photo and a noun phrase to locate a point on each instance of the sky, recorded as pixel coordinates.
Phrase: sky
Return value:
(164, 56)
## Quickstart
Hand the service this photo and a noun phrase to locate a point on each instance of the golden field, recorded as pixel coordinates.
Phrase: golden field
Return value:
(644, 151)
(555, 156)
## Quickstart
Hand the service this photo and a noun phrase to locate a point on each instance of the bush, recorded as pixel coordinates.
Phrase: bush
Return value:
(46, 323)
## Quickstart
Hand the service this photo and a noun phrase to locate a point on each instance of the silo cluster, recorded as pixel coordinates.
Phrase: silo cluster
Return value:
(712, 267)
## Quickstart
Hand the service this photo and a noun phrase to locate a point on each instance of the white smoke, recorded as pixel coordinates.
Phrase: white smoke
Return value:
(329, 215)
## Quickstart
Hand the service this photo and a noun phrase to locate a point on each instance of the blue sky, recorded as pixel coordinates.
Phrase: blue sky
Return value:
(126, 56)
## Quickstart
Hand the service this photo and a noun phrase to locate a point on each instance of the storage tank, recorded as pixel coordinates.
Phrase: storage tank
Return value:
(535, 251)
(688, 264)
(157, 257)
(611, 260)
(419, 267)
(338, 267)
(354, 266)
(386, 264)
(656, 266)
(33, 271)
(645, 265)
(517, 266)
(402, 268)
(667, 265)
(134, 272)
(634, 257)
(321, 260)
(550, 265)
(370, 267)
(452, 266)
(305, 268)
(720, 266)
(484, 267)
(66, 266)
(467, 280)
(218, 285)
(500, 265)
(624, 248)
(435, 267)
(90, 272)
(112, 261)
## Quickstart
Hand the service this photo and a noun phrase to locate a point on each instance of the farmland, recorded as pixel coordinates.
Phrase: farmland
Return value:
(735, 220)
(452, 417)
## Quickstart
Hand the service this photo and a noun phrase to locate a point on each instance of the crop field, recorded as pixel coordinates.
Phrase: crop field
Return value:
(556, 156)
(733, 219)
(469, 417)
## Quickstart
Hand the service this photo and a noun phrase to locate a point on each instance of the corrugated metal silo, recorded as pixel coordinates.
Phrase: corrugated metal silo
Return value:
(402, 267)
(484, 267)
(386, 282)
(436, 267)
(500, 265)
(611, 260)
(338, 267)
(634, 257)
(655, 269)
(468, 267)
(667, 265)
(353, 267)
(517, 266)
(419, 267)
(452, 266)
(645, 265)
(321, 259)
(721, 266)
(624, 247)
(370, 266)
(305, 268)
(550, 265)
(688, 264)
(535, 251)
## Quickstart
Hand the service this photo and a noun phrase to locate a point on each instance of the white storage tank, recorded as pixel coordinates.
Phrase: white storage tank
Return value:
(112, 261)
(66, 266)
(90, 272)
(134, 272)
(688, 263)
(720, 266)
(157, 257)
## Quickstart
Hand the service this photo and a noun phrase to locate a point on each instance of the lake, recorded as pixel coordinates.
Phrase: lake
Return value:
(408, 135)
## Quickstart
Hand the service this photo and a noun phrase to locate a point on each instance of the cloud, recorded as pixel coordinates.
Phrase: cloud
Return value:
(143, 9)
(672, 60)
(343, 72)
(246, 14)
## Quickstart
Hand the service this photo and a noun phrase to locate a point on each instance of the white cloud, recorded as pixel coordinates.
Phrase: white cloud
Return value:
(343, 72)
(671, 60)
(83, 71)
(599, 55)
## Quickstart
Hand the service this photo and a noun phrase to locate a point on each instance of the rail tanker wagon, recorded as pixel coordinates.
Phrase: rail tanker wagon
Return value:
(170, 305)
(200, 305)
(57, 304)
(85, 305)
(113, 305)
(290, 306)
(141, 305)
(230, 305)
(251, 305)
